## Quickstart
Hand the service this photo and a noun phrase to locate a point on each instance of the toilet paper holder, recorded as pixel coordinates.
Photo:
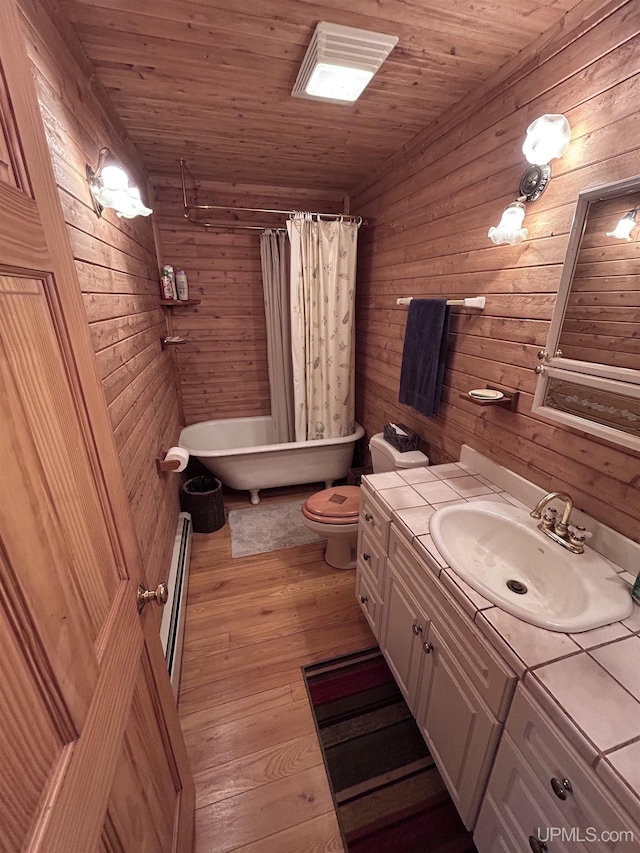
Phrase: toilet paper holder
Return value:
(164, 465)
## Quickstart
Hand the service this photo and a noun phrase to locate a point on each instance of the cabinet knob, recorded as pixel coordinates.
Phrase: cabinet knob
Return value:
(417, 629)
(561, 787)
(364, 599)
(428, 648)
(368, 516)
(366, 557)
(536, 845)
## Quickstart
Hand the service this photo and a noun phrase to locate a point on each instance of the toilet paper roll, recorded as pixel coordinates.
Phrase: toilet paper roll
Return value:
(179, 454)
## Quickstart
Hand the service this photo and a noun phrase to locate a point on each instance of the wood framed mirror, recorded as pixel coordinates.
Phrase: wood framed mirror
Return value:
(589, 372)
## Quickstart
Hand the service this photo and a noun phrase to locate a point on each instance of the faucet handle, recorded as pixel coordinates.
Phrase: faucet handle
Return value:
(578, 534)
(549, 517)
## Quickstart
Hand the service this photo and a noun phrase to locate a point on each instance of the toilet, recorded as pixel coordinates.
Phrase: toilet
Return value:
(333, 513)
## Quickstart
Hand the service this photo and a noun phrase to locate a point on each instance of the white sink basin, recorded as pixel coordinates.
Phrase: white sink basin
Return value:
(489, 544)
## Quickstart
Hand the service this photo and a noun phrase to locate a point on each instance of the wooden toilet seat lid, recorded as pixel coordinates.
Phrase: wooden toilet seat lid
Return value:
(334, 504)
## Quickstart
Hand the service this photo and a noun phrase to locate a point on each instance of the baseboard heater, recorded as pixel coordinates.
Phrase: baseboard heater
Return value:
(173, 617)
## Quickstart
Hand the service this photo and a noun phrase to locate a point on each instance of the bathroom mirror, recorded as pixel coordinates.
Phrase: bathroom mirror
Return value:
(589, 371)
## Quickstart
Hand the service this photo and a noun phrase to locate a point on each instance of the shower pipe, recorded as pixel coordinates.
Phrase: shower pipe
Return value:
(189, 207)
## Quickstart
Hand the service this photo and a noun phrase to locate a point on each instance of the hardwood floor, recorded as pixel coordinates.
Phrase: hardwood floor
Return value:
(252, 622)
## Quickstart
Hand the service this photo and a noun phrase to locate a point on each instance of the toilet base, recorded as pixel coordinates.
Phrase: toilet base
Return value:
(342, 543)
(342, 551)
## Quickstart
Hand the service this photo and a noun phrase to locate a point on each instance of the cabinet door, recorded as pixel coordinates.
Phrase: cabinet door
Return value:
(403, 633)
(461, 732)
(516, 810)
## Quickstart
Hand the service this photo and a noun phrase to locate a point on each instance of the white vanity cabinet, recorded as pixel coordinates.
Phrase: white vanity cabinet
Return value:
(543, 796)
(524, 776)
(457, 688)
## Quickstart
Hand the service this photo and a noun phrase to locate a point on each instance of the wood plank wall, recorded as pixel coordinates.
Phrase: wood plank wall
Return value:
(433, 205)
(223, 367)
(117, 271)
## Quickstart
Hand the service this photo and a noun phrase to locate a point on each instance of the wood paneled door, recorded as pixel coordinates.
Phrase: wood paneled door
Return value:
(91, 754)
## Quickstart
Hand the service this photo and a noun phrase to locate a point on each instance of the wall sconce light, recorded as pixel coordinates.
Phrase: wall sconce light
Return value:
(110, 187)
(510, 229)
(547, 138)
(625, 226)
(340, 62)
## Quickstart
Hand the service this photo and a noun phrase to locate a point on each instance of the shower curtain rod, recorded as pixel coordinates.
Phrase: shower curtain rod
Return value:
(189, 207)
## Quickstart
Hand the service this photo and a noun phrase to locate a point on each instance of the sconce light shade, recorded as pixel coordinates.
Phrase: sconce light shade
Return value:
(510, 228)
(339, 63)
(547, 137)
(625, 226)
(110, 187)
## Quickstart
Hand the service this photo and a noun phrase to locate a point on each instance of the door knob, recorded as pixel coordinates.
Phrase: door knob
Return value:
(159, 595)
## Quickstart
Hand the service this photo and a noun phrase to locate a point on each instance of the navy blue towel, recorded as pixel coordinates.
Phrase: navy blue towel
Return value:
(424, 355)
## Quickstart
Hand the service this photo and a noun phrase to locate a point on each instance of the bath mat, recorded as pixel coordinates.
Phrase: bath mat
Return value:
(268, 528)
(388, 793)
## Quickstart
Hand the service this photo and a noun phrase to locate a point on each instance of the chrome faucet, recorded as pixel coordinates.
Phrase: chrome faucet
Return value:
(568, 535)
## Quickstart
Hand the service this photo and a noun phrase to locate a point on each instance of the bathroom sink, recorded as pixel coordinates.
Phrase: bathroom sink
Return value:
(498, 550)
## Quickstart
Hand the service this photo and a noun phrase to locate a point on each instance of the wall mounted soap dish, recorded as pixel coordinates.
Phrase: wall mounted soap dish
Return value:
(172, 341)
(490, 396)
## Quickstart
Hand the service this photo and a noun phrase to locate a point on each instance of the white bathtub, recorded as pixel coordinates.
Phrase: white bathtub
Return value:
(240, 452)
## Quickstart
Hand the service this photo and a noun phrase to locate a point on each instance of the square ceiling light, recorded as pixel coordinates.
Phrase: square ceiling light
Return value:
(340, 62)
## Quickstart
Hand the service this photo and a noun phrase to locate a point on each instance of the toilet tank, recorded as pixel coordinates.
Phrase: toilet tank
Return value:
(384, 457)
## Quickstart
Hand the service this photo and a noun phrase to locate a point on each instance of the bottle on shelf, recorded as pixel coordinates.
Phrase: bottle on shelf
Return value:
(182, 286)
(168, 282)
(635, 592)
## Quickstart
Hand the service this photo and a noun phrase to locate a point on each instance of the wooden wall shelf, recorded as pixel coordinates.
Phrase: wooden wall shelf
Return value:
(509, 401)
(179, 303)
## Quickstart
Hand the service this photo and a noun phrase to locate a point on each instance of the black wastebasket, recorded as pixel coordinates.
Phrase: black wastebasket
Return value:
(201, 497)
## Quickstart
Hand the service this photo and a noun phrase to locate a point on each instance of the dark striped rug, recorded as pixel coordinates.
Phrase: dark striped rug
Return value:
(388, 793)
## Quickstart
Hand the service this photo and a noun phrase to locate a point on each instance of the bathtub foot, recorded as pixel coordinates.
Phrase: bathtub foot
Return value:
(255, 500)
(328, 484)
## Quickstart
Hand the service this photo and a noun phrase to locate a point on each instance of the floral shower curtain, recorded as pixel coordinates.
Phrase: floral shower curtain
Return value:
(323, 283)
(274, 255)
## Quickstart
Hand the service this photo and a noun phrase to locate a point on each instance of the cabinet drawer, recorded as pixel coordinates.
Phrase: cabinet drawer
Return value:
(374, 521)
(369, 600)
(371, 557)
(546, 751)
(484, 669)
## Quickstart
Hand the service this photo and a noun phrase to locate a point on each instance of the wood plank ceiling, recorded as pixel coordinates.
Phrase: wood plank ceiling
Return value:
(211, 80)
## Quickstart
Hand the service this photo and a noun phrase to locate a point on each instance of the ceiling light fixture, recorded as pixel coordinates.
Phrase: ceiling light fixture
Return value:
(625, 226)
(340, 62)
(547, 138)
(110, 187)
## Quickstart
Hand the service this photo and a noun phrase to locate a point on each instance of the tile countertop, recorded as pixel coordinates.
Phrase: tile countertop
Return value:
(589, 683)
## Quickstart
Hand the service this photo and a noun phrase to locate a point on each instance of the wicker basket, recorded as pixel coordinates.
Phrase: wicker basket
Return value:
(403, 443)
(201, 497)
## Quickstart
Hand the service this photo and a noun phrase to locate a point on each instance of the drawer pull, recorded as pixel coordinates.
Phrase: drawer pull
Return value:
(364, 599)
(561, 787)
(366, 557)
(536, 845)
(368, 516)
(417, 629)
(428, 648)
